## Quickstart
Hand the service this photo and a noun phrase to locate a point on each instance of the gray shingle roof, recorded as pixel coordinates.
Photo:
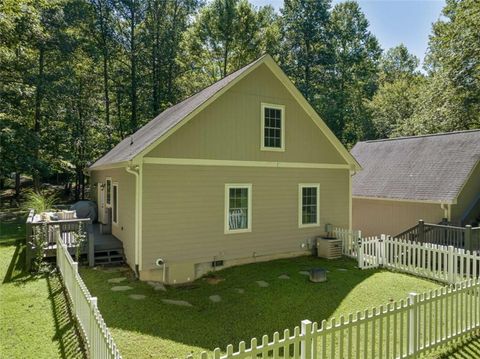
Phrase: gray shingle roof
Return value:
(131, 146)
(432, 167)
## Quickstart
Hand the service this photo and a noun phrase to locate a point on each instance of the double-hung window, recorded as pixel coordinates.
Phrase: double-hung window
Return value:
(273, 127)
(115, 203)
(238, 208)
(309, 205)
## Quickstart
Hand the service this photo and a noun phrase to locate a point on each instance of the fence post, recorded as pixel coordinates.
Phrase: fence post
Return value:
(91, 245)
(421, 231)
(306, 347)
(360, 253)
(381, 250)
(451, 261)
(413, 327)
(92, 316)
(468, 238)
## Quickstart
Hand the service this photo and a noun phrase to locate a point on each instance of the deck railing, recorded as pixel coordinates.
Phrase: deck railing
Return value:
(444, 235)
(67, 227)
(97, 336)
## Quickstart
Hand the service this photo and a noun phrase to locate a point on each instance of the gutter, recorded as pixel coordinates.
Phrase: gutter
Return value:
(136, 171)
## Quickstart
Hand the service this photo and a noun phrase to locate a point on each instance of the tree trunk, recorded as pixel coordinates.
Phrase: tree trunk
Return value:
(133, 65)
(38, 116)
(17, 185)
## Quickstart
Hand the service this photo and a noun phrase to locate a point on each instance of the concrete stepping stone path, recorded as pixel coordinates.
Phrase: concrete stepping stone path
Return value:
(157, 286)
(284, 276)
(182, 303)
(137, 296)
(121, 288)
(304, 272)
(215, 298)
(117, 280)
(239, 290)
(262, 283)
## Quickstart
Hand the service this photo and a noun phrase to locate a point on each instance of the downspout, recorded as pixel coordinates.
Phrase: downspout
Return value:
(134, 170)
(350, 200)
(447, 211)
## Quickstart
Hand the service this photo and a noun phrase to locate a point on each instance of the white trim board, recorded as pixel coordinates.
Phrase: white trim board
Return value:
(236, 163)
(405, 200)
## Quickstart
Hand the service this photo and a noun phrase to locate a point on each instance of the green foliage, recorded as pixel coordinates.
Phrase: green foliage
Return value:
(40, 202)
(80, 239)
(39, 239)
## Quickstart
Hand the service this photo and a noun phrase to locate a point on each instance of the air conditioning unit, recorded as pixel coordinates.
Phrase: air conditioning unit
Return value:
(329, 248)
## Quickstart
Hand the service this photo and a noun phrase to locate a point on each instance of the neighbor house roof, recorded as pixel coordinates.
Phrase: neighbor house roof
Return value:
(172, 118)
(423, 168)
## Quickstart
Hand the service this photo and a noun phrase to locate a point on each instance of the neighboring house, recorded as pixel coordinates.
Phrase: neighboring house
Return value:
(411, 178)
(243, 171)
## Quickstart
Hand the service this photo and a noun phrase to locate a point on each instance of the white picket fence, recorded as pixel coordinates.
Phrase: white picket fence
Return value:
(350, 240)
(397, 330)
(402, 329)
(96, 333)
(441, 263)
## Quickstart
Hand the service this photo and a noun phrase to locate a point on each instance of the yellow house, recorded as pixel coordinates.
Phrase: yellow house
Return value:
(243, 171)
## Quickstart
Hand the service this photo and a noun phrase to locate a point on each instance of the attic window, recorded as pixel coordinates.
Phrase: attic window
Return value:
(273, 127)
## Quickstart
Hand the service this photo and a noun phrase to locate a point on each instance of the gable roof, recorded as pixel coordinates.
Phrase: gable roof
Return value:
(169, 120)
(420, 168)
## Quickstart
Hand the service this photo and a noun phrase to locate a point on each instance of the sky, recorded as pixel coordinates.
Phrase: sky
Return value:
(394, 21)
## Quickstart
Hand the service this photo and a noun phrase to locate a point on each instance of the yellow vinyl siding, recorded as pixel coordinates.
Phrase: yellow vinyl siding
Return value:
(375, 217)
(184, 211)
(125, 229)
(230, 128)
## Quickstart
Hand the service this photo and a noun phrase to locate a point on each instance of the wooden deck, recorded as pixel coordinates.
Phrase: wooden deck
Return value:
(100, 248)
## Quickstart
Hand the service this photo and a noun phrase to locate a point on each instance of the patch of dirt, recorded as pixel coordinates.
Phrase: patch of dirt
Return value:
(213, 279)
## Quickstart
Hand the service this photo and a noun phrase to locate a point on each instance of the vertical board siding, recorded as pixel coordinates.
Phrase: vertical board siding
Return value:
(125, 229)
(183, 207)
(230, 127)
(469, 192)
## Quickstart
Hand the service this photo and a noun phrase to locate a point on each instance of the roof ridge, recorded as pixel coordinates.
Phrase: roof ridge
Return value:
(420, 136)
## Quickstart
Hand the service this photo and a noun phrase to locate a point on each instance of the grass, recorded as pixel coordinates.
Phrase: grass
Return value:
(35, 317)
(150, 328)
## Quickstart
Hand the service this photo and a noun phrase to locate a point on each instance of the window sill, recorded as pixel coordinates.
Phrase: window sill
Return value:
(272, 149)
(310, 225)
(237, 231)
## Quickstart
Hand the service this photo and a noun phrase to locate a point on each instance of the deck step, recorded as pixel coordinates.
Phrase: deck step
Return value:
(109, 256)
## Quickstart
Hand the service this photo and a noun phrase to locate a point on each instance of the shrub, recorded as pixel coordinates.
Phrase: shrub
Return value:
(39, 202)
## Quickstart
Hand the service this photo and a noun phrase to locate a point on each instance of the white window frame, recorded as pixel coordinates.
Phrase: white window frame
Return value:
(301, 186)
(248, 186)
(115, 184)
(107, 195)
(262, 127)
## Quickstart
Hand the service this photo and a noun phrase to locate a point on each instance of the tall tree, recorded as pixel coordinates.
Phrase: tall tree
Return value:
(357, 55)
(307, 55)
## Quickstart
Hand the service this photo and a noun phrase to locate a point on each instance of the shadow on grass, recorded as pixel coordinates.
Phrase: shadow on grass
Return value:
(258, 311)
(465, 349)
(67, 334)
(67, 331)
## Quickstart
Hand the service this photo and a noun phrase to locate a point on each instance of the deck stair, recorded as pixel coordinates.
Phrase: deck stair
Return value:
(109, 256)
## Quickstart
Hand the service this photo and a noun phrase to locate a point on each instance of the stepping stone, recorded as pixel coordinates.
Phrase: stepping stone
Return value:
(262, 283)
(215, 298)
(157, 286)
(283, 276)
(239, 290)
(117, 280)
(342, 270)
(304, 272)
(121, 288)
(137, 296)
(182, 303)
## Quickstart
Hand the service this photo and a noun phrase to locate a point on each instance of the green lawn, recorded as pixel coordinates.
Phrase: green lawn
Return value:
(150, 328)
(35, 320)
